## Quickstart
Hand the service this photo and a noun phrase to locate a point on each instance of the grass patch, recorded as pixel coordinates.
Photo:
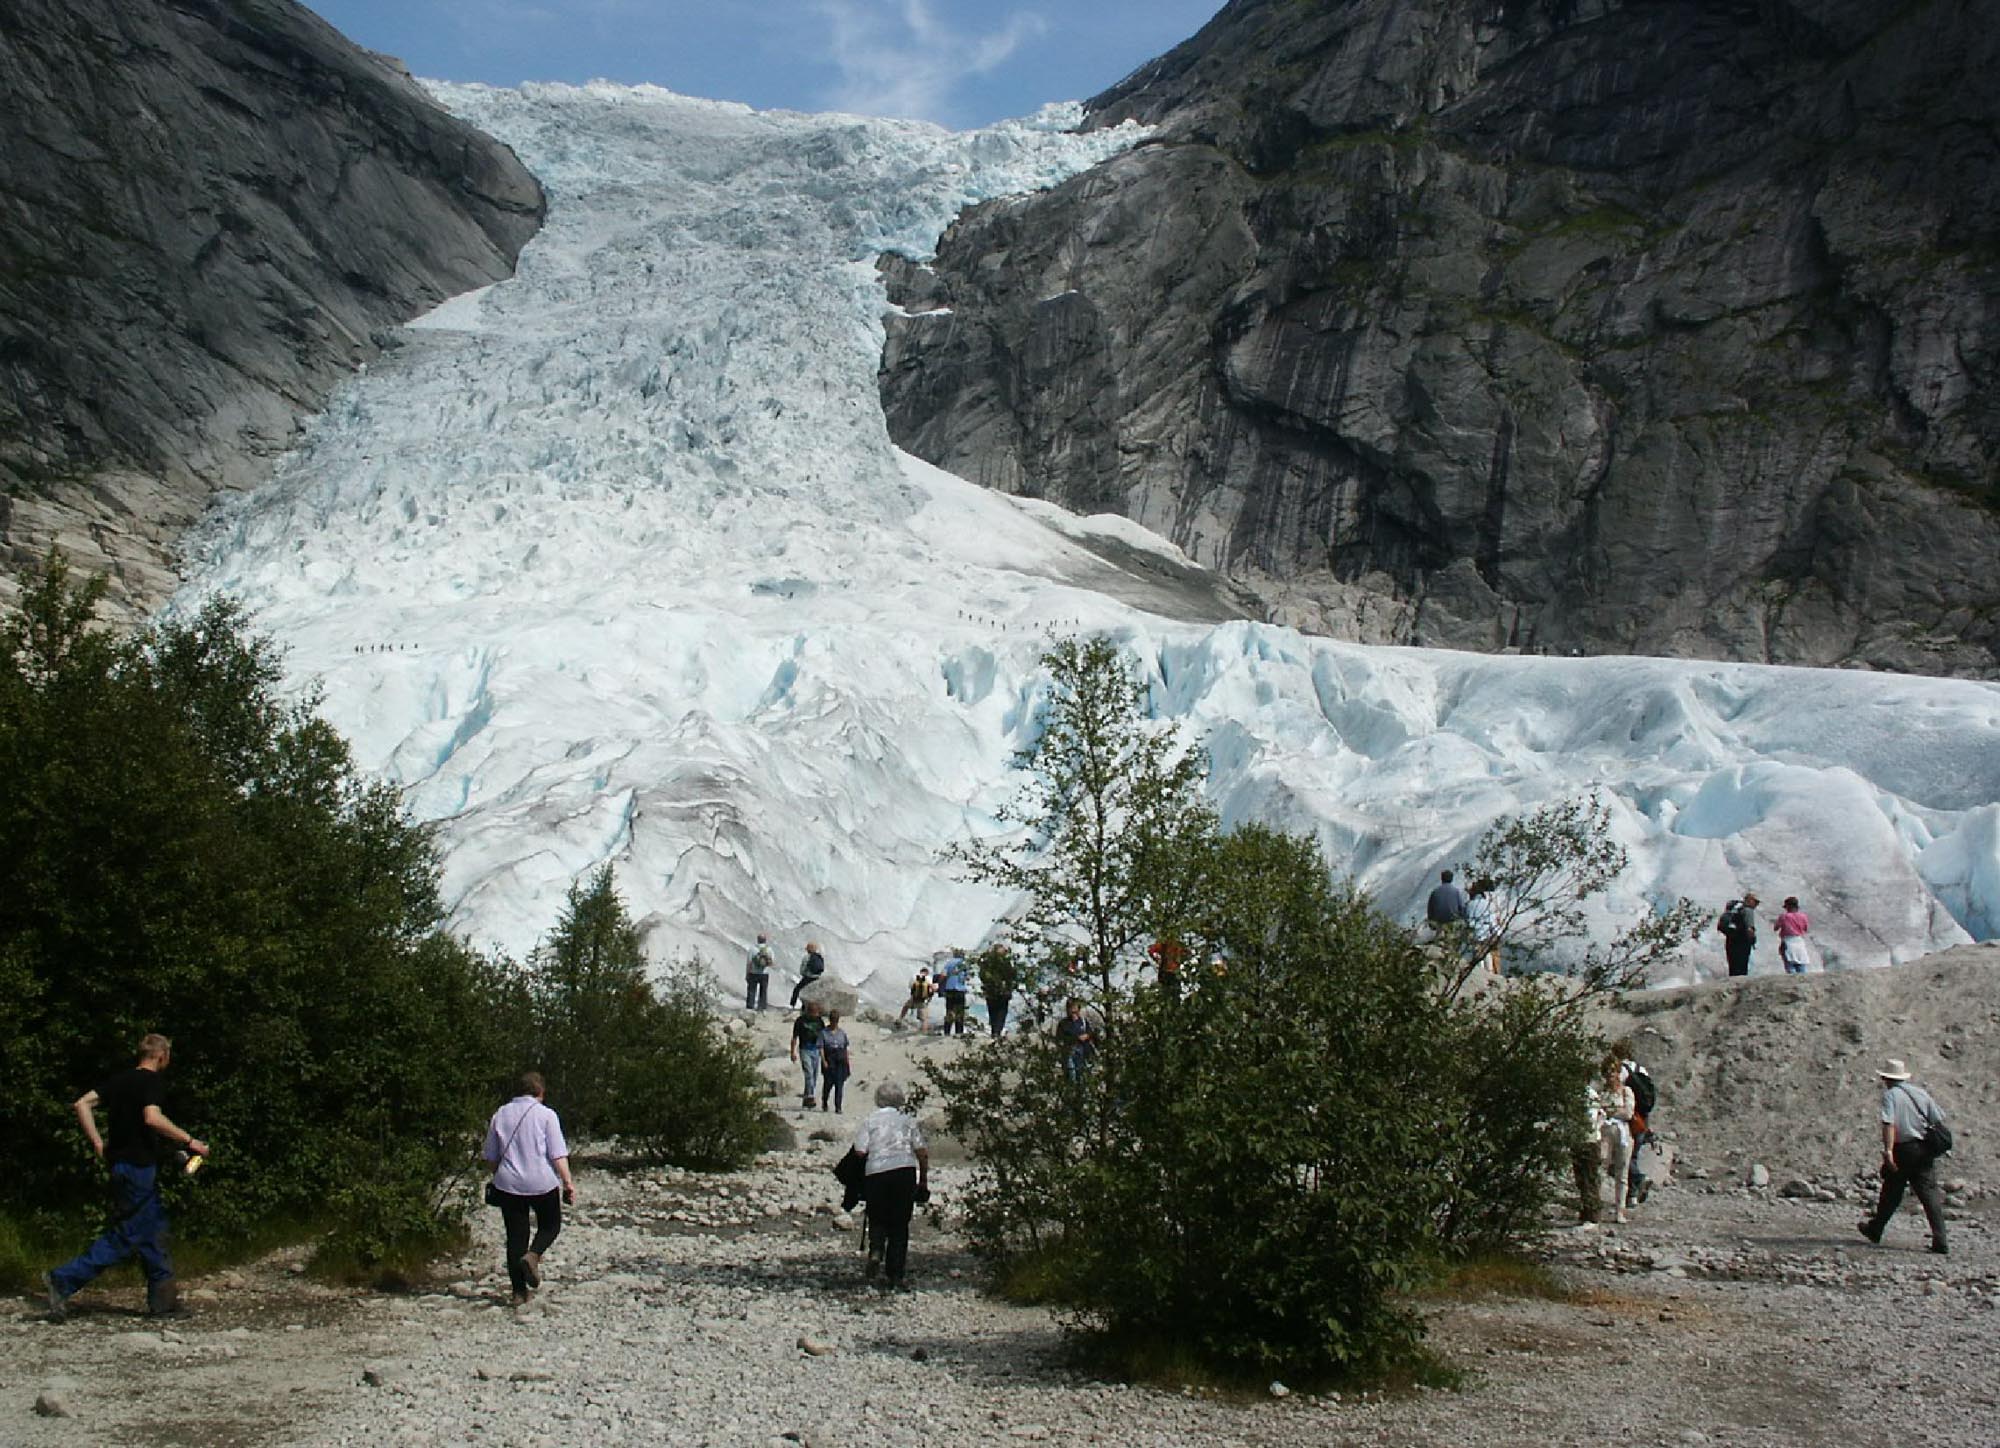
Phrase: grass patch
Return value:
(1167, 1362)
(1497, 1274)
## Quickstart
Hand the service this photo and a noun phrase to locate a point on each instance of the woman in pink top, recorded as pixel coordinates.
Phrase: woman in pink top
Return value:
(1792, 928)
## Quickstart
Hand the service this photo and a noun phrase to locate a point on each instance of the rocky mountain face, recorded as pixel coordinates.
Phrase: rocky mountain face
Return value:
(1669, 326)
(209, 210)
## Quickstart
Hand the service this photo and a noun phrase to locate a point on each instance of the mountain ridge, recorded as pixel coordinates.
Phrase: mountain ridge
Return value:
(214, 209)
(1556, 324)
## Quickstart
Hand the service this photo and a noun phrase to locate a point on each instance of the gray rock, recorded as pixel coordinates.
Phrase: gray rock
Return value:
(1798, 1187)
(815, 1347)
(1471, 338)
(53, 1404)
(214, 207)
(1758, 1177)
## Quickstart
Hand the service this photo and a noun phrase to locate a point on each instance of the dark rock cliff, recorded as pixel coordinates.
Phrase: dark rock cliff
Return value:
(207, 209)
(1668, 326)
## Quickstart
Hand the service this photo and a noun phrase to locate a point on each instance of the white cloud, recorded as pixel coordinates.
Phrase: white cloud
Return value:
(898, 58)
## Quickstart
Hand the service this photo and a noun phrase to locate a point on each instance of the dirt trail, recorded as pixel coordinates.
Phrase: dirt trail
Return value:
(676, 1302)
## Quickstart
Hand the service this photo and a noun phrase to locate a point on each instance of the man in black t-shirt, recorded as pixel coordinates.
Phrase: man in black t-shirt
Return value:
(139, 1128)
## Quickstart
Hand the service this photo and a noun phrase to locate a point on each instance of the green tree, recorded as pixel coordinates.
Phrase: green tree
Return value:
(1258, 1163)
(194, 854)
(1108, 831)
(630, 1059)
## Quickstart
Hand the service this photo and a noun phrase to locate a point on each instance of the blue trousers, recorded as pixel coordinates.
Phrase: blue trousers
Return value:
(138, 1229)
(809, 1063)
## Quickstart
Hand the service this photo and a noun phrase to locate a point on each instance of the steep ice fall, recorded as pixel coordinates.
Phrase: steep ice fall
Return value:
(615, 562)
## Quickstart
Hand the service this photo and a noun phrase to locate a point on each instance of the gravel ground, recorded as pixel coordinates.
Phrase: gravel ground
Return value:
(686, 1309)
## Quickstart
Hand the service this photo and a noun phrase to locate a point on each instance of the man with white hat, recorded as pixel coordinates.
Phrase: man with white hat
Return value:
(1908, 1160)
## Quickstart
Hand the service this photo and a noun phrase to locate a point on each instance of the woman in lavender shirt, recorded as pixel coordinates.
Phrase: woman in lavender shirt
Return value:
(529, 1160)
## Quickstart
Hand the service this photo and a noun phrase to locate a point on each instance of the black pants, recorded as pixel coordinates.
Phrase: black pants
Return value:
(954, 1013)
(996, 1012)
(756, 991)
(1738, 957)
(806, 983)
(548, 1222)
(892, 1199)
(1916, 1169)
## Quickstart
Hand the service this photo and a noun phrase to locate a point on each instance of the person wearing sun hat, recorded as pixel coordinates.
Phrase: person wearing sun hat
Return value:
(1908, 1162)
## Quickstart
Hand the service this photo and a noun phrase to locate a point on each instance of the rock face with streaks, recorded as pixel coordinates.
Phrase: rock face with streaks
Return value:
(1601, 324)
(209, 211)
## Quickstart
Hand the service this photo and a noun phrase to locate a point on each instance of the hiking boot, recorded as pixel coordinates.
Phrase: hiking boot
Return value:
(163, 1299)
(1868, 1229)
(519, 1299)
(52, 1294)
(1940, 1249)
(1645, 1190)
(531, 1268)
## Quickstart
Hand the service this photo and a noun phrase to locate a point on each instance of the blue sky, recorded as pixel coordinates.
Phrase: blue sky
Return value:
(959, 62)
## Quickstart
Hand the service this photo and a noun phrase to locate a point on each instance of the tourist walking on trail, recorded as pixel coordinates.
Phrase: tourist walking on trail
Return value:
(807, 1032)
(897, 1160)
(954, 979)
(921, 991)
(835, 1066)
(1079, 1040)
(757, 975)
(1914, 1136)
(811, 968)
(529, 1159)
(1587, 1158)
(1616, 1134)
(1792, 930)
(998, 979)
(132, 1100)
(1447, 903)
(1738, 924)
(1645, 1096)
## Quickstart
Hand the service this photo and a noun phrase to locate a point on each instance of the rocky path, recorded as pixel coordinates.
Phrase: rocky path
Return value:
(687, 1310)
(674, 1314)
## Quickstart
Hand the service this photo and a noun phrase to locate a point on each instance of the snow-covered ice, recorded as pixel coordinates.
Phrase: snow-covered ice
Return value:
(658, 591)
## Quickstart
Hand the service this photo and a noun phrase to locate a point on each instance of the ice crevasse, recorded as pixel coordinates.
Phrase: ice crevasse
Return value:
(614, 561)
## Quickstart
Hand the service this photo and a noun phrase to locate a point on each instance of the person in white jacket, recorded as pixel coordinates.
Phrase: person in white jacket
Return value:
(1615, 1132)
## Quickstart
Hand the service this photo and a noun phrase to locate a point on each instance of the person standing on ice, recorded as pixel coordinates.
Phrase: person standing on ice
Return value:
(1792, 929)
(1738, 925)
(810, 970)
(757, 975)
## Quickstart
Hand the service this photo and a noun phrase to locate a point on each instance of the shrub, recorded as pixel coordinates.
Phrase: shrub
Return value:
(193, 855)
(628, 1058)
(1264, 1157)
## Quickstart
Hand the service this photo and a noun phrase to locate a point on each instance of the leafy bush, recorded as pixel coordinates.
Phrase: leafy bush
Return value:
(627, 1058)
(1264, 1156)
(190, 854)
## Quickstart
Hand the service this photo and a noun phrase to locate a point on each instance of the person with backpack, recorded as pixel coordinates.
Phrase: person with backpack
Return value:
(1738, 924)
(998, 979)
(811, 968)
(922, 988)
(757, 975)
(1914, 1136)
(1645, 1096)
(1447, 904)
(806, 1033)
(1792, 930)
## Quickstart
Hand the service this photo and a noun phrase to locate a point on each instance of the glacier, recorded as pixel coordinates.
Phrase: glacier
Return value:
(614, 562)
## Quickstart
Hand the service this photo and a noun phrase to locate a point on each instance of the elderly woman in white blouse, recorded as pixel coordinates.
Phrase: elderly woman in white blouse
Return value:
(1618, 1105)
(897, 1160)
